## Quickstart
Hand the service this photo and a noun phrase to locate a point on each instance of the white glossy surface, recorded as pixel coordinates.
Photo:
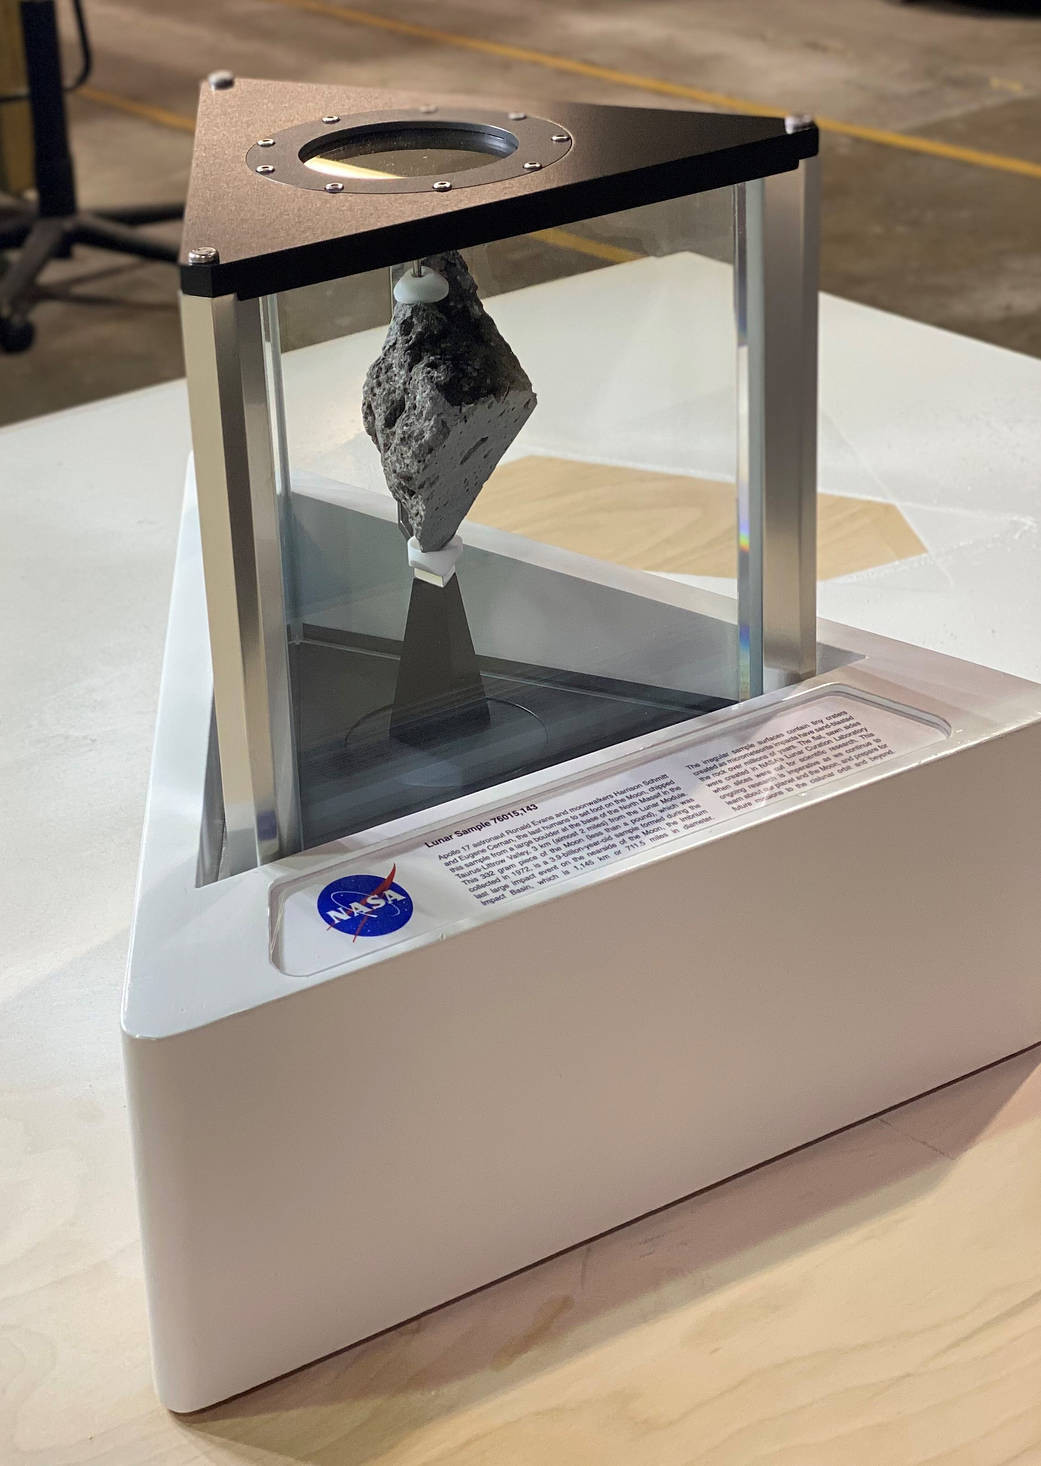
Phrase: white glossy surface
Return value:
(944, 426)
(92, 502)
(202, 953)
(503, 1076)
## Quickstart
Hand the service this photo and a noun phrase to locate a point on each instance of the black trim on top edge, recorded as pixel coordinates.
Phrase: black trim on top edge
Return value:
(605, 175)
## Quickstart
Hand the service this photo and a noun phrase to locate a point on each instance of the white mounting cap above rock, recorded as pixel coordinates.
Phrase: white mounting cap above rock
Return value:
(413, 289)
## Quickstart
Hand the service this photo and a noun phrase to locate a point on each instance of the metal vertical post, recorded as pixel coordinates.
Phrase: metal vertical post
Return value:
(280, 448)
(749, 486)
(235, 472)
(776, 283)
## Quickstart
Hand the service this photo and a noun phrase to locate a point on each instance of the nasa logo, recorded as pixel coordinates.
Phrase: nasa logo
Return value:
(365, 906)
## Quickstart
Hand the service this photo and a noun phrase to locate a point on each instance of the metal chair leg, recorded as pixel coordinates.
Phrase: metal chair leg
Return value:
(14, 230)
(141, 214)
(103, 234)
(43, 241)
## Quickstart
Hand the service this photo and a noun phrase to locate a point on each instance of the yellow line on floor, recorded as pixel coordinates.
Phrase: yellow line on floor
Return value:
(161, 115)
(564, 239)
(910, 142)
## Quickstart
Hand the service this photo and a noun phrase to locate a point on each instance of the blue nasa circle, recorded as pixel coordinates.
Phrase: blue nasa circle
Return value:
(365, 906)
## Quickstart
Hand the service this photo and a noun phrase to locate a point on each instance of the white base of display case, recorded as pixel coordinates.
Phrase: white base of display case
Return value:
(335, 1131)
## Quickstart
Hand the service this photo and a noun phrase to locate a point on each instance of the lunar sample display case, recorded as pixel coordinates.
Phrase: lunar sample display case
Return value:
(494, 889)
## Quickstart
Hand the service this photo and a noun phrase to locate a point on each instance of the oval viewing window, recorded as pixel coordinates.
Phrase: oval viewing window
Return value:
(408, 152)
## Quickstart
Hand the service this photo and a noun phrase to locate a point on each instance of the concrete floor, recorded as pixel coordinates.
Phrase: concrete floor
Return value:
(942, 240)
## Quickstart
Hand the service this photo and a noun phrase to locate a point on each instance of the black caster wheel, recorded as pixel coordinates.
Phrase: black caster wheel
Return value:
(16, 333)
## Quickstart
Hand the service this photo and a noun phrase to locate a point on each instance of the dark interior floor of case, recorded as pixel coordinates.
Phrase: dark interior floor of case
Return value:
(542, 716)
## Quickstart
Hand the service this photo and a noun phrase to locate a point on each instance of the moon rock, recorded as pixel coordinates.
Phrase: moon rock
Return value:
(443, 401)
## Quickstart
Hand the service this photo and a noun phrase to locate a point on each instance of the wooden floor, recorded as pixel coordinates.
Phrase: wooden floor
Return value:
(671, 522)
(874, 1300)
(871, 1300)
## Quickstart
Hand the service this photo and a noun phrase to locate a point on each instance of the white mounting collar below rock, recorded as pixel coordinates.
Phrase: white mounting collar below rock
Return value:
(436, 567)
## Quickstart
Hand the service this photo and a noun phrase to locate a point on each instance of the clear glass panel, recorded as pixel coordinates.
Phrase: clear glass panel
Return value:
(577, 617)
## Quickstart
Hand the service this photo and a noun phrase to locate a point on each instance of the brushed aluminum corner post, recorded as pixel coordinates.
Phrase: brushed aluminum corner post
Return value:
(776, 275)
(236, 474)
(280, 445)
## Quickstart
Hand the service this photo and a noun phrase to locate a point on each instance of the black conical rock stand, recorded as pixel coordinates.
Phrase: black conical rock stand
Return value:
(439, 684)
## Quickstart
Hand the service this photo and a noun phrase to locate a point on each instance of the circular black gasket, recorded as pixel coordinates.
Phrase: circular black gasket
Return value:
(516, 143)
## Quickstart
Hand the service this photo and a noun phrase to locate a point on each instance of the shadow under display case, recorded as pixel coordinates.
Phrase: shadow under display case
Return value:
(475, 874)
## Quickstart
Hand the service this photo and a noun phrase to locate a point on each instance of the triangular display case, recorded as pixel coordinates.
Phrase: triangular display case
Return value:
(771, 877)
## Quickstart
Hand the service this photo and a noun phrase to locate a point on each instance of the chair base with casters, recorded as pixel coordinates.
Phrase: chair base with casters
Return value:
(53, 225)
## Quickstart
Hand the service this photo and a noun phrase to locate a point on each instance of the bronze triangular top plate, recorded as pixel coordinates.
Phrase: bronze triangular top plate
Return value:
(280, 228)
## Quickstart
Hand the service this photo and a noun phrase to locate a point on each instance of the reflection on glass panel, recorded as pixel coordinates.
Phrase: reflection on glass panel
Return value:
(569, 405)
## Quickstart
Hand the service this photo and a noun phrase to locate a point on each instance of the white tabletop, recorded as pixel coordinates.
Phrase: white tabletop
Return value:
(944, 427)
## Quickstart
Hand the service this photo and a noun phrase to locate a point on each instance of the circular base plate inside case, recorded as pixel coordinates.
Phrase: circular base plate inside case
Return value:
(449, 753)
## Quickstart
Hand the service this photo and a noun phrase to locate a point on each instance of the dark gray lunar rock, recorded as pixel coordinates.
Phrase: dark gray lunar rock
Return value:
(443, 401)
